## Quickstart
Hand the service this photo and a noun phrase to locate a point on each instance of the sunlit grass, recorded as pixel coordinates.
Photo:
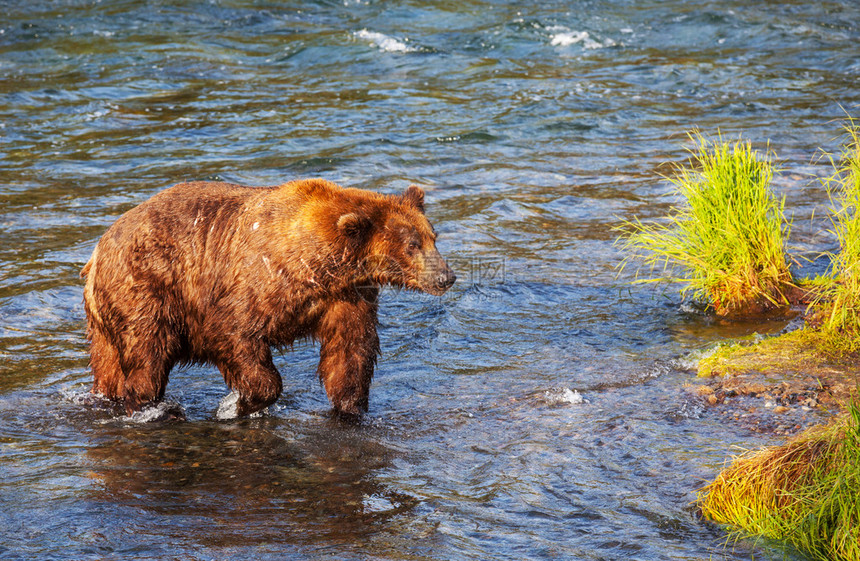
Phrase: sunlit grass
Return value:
(839, 315)
(726, 243)
(805, 492)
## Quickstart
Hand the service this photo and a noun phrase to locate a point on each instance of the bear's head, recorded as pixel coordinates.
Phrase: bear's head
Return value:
(399, 245)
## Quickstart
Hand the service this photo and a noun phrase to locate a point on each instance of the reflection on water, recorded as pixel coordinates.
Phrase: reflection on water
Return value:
(535, 130)
(249, 483)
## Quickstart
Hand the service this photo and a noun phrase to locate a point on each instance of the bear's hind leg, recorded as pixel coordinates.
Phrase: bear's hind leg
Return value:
(136, 377)
(145, 384)
(147, 362)
(108, 379)
(146, 381)
(251, 373)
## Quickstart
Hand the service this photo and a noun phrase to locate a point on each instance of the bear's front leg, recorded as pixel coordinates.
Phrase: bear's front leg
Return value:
(249, 371)
(349, 346)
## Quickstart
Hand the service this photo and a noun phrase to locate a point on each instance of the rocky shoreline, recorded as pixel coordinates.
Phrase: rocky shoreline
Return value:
(778, 385)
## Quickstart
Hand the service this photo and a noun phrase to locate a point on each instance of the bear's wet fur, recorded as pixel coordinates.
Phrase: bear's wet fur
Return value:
(216, 273)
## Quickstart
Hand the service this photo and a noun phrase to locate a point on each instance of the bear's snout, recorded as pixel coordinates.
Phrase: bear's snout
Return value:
(445, 279)
(438, 276)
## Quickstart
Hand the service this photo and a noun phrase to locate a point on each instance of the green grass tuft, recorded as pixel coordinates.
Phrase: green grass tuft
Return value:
(839, 315)
(805, 492)
(726, 243)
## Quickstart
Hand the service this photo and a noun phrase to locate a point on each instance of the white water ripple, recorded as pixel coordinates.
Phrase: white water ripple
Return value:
(564, 396)
(384, 42)
(566, 37)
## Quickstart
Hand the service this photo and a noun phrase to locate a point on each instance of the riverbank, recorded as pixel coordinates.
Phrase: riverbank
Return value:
(802, 491)
(778, 385)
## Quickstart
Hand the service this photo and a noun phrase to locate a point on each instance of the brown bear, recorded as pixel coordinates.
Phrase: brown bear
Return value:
(216, 273)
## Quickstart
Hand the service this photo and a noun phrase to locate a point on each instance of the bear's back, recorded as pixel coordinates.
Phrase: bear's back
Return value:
(195, 202)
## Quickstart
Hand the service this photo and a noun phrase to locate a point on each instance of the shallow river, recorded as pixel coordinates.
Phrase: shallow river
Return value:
(535, 411)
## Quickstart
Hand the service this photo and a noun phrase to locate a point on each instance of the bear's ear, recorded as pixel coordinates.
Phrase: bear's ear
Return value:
(353, 225)
(414, 195)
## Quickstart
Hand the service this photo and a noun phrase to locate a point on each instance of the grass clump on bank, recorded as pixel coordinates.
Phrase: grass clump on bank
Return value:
(839, 315)
(726, 242)
(805, 492)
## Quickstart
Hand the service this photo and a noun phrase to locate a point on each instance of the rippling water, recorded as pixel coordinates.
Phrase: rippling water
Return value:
(535, 411)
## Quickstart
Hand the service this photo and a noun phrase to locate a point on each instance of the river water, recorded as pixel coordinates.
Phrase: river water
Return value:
(535, 411)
